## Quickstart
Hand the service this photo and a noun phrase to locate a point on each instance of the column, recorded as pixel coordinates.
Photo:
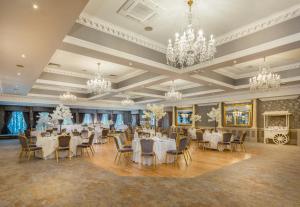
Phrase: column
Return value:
(221, 116)
(173, 117)
(77, 117)
(31, 117)
(254, 122)
(194, 112)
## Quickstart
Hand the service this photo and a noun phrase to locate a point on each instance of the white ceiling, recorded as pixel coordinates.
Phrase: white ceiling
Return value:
(87, 65)
(213, 16)
(277, 63)
(179, 84)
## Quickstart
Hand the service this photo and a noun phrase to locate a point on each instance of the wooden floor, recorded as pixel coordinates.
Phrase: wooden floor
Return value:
(202, 162)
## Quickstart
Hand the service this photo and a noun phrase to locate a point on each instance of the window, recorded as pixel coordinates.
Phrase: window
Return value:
(42, 121)
(68, 121)
(119, 120)
(17, 123)
(104, 119)
(87, 119)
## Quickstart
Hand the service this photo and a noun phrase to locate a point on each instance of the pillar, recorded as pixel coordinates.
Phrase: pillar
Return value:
(174, 117)
(194, 112)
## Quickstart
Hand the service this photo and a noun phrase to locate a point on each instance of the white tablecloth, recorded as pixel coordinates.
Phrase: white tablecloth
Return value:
(161, 146)
(49, 144)
(192, 133)
(213, 138)
(121, 127)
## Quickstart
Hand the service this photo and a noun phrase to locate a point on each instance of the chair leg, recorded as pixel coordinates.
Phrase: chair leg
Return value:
(69, 153)
(119, 158)
(87, 152)
(21, 154)
(186, 162)
(188, 151)
(29, 155)
(91, 148)
(56, 155)
(116, 156)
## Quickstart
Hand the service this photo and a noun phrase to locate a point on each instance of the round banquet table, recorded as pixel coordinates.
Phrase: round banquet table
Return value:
(192, 133)
(213, 138)
(49, 144)
(161, 146)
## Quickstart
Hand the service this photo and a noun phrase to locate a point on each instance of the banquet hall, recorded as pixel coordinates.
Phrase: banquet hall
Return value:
(149, 103)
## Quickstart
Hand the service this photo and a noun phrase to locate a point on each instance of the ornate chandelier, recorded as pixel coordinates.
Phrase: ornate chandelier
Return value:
(68, 97)
(98, 84)
(172, 94)
(190, 48)
(127, 102)
(264, 80)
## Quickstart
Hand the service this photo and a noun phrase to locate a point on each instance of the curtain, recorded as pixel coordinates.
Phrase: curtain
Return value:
(74, 118)
(35, 118)
(99, 117)
(7, 117)
(133, 120)
(119, 120)
(87, 119)
(81, 118)
(104, 119)
(93, 116)
(26, 119)
(114, 117)
(127, 118)
(17, 123)
(170, 116)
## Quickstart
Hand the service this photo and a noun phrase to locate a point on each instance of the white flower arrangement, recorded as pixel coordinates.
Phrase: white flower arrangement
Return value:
(156, 110)
(195, 117)
(60, 113)
(214, 115)
(44, 121)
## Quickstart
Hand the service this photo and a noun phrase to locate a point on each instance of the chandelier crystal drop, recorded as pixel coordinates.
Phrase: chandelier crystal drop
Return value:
(98, 84)
(127, 102)
(172, 94)
(190, 48)
(68, 97)
(264, 80)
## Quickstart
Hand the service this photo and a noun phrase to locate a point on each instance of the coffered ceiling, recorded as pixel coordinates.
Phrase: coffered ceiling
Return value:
(134, 60)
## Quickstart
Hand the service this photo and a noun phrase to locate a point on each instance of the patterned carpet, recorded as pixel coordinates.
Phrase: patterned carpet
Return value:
(270, 178)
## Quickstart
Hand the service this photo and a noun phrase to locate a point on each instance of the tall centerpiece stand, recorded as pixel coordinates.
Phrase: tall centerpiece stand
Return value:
(61, 113)
(214, 116)
(156, 112)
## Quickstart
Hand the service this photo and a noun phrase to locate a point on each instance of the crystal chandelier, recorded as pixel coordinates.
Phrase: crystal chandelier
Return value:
(264, 80)
(98, 84)
(172, 94)
(190, 48)
(127, 102)
(68, 97)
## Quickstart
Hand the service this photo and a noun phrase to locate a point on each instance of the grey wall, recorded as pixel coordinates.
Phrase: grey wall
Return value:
(291, 105)
(202, 111)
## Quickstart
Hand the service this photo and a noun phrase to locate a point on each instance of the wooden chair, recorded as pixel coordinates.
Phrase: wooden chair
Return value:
(147, 150)
(201, 142)
(87, 145)
(173, 135)
(240, 142)
(124, 141)
(121, 151)
(104, 136)
(27, 148)
(179, 151)
(63, 145)
(187, 149)
(226, 142)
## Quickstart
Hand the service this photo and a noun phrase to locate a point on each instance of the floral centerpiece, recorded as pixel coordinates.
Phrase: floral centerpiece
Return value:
(157, 111)
(214, 115)
(195, 117)
(43, 121)
(60, 113)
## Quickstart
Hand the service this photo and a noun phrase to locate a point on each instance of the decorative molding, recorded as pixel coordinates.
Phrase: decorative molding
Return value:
(109, 28)
(260, 25)
(228, 73)
(58, 83)
(89, 76)
(279, 98)
(61, 89)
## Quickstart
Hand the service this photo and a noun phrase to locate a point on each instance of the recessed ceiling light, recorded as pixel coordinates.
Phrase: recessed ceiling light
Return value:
(234, 62)
(18, 74)
(130, 63)
(35, 6)
(23, 56)
(148, 28)
(20, 66)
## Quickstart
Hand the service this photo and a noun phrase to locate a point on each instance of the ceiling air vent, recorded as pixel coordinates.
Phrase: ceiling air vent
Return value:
(139, 10)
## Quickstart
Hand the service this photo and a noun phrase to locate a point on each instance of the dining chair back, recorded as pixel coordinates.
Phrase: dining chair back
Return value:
(91, 139)
(227, 137)
(182, 144)
(105, 132)
(24, 142)
(84, 134)
(147, 146)
(199, 135)
(173, 135)
(64, 141)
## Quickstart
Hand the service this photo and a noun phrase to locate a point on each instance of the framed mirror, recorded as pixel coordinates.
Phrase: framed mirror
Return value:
(237, 115)
(183, 116)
